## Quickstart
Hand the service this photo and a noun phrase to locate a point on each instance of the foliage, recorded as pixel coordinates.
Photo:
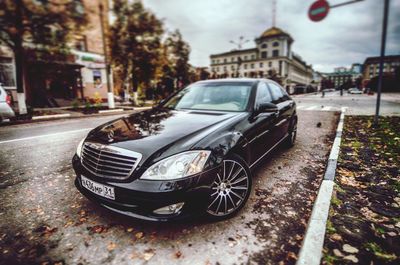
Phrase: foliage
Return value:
(97, 100)
(135, 41)
(42, 25)
(178, 51)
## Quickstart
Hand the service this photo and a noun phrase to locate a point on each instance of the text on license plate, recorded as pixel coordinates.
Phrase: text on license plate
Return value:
(97, 188)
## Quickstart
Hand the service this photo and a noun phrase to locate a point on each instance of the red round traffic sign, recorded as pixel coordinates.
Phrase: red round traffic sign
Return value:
(318, 10)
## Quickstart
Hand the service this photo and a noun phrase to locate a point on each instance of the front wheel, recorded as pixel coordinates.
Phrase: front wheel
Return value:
(230, 189)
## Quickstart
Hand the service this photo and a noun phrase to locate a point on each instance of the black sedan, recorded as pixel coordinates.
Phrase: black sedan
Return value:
(192, 154)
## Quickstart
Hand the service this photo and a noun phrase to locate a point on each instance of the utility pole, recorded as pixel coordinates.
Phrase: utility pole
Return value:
(381, 59)
(110, 94)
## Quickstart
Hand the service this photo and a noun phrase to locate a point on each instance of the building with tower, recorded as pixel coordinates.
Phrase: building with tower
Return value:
(272, 57)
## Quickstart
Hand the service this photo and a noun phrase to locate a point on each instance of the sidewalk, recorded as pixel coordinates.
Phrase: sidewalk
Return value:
(41, 114)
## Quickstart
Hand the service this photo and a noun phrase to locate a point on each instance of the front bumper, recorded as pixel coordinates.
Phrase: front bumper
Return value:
(139, 198)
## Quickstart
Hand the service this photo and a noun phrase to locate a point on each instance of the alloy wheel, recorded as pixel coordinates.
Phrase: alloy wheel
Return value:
(230, 189)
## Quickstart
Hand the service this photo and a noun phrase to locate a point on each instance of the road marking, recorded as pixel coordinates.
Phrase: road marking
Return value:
(327, 108)
(301, 107)
(311, 108)
(44, 135)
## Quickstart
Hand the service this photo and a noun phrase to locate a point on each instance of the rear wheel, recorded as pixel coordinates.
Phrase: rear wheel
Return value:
(231, 188)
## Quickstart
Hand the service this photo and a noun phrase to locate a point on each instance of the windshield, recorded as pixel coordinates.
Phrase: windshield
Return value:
(212, 96)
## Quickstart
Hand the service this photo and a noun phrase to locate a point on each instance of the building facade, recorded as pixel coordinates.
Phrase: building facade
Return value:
(55, 82)
(391, 64)
(272, 57)
(343, 76)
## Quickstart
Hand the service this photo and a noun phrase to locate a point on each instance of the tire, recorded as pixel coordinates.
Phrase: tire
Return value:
(292, 133)
(231, 188)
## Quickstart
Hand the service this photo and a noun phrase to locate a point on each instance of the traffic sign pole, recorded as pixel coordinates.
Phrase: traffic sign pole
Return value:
(381, 59)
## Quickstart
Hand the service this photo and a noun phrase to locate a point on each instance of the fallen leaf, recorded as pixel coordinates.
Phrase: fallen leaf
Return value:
(178, 254)
(349, 249)
(148, 254)
(111, 246)
(351, 258)
(139, 235)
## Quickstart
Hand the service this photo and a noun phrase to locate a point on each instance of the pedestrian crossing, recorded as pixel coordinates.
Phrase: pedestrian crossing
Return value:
(319, 107)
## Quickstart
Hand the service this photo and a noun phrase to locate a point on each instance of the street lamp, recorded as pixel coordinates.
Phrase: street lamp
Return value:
(239, 44)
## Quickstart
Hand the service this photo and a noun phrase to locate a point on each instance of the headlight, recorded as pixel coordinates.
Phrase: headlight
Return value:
(79, 148)
(177, 166)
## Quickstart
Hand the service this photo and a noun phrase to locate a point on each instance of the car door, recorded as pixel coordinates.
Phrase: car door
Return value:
(262, 132)
(285, 104)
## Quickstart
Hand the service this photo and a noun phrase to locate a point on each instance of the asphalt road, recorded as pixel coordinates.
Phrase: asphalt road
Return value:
(43, 218)
(355, 104)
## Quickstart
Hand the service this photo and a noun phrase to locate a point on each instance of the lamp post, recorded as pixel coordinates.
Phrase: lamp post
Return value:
(110, 94)
(239, 44)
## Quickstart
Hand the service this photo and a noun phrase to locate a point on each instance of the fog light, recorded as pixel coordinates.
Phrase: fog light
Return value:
(170, 209)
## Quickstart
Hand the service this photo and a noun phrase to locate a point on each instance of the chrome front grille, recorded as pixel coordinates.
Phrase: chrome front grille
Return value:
(108, 161)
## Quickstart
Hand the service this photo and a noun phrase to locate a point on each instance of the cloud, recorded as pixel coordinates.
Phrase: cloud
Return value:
(347, 35)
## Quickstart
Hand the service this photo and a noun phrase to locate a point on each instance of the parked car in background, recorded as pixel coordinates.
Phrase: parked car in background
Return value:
(354, 90)
(191, 154)
(6, 110)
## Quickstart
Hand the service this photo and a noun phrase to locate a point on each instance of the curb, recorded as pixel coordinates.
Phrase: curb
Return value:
(110, 111)
(54, 116)
(311, 249)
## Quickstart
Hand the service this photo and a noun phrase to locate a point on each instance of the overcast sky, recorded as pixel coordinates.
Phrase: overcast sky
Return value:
(347, 35)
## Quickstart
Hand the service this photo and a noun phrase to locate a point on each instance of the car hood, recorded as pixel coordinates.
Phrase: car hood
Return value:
(159, 133)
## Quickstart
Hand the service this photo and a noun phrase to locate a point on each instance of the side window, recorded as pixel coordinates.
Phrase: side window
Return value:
(263, 95)
(277, 95)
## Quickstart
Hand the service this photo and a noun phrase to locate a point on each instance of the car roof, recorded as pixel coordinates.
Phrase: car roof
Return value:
(235, 80)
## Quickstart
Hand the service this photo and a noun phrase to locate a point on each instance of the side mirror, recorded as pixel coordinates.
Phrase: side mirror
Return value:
(267, 107)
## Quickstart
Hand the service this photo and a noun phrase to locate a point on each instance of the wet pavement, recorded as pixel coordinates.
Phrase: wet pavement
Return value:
(43, 218)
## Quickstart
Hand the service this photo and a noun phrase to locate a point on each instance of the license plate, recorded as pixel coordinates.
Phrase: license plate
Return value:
(97, 188)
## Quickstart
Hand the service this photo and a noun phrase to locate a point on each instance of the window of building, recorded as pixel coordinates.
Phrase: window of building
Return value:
(225, 68)
(245, 66)
(269, 64)
(96, 77)
(264, 45)
(81, 44)
(7, 72)
(261, 65)
(225, 60)
(253, 56)
(232, 59)
(245, 74)
(232, 67)
(245, 57)
(213, 61)
(217, 60)
(275, 53)
(252, 66)
(275, 44)
(217, 69)
(263, 55)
